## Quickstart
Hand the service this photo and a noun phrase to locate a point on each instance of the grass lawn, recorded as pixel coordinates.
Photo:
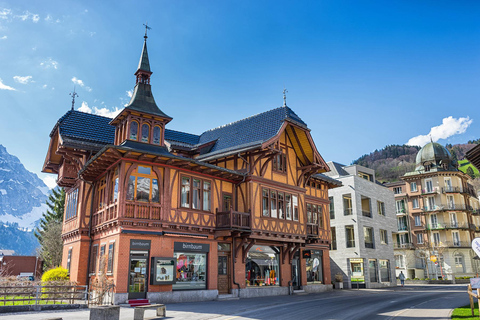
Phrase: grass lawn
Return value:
(464, 164)
(464, 313)
(25, 300)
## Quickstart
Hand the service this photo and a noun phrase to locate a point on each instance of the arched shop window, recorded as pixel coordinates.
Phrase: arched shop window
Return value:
(143, 185)
(134, 130)
(145, 132)
(156, 135)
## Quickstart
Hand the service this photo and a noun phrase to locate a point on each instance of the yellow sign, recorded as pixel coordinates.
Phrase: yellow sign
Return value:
(433, 258)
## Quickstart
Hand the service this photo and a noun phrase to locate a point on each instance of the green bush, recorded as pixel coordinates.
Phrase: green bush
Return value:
(416, 279)
(407, 279)
(56, 274)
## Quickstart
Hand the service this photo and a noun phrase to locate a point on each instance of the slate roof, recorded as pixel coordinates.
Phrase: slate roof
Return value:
(325, 178)
(248, 132)
(187, 138)
(85, 127)
(336, 169)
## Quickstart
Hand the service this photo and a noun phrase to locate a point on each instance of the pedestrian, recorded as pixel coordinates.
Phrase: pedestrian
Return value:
(401, 276)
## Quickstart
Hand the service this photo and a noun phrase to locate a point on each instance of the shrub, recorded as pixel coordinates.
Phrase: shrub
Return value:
(407, 279)
(56, 274)
(416, 279)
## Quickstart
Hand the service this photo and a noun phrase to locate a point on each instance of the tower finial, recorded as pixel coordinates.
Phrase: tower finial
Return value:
(73, 94)
(146, 28)
(284, 96)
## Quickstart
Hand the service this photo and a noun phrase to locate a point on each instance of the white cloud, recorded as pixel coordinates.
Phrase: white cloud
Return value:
(44, 86)
(105, 112)
(23, 80)
(449, 127)
(5, 87)
(81, 84)
(3, 38)
(5, 13)
(50, 181)
(28, 15)
(48, 17)
(130, 93)
(49, 63)
(85, 108)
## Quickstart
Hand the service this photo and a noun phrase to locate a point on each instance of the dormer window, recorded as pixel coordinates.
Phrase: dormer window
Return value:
(156, 135)
(133, 130)
(280, 163)
(145, 132)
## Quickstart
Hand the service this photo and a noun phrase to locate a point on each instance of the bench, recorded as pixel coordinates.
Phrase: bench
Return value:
(140, 311)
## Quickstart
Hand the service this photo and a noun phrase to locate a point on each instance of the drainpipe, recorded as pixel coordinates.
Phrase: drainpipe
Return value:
(233, 265)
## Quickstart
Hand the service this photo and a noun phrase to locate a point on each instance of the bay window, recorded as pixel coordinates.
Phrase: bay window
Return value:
(195, 193)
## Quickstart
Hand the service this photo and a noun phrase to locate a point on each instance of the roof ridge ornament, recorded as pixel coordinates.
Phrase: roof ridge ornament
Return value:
(285, 91)
(73, 94)
(146, 28)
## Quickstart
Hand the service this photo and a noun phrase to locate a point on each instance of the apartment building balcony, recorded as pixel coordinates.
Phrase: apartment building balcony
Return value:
(452, 190)
(457, 244)
(442, 226)
(402, 229)
(234, 220)
(403, 245)
(476, 212)
(401, 212)
(448, 207)
(430, 191)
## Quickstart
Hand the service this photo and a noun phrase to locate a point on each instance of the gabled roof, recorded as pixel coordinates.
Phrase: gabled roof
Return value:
(335, 183)
(183, 137)
(248, 132)
(336, 169)
(85, 127)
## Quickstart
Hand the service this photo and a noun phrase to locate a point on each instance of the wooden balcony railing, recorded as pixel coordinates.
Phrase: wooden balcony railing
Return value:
(105, 214)
(233, 220)
(312, 229)
(142, 210)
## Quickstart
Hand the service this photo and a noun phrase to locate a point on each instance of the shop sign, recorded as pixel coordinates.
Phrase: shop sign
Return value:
(191, 247)
(359, 260)
(163, 271)
(307, 254)
(139, 244)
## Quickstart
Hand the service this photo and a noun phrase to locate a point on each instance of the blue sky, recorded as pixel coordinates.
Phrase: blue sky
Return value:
(362, 74)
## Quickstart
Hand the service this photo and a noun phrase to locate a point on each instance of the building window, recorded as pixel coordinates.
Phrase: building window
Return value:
(114, 189)
(191, 270)
(381, 208)
(347, 204)
(400, 206)
(69, 259)
(279, 205)
(399, 261)
(93, 259)
(72, 202)
(373, 270)
(397, 190)
(418, 221)
(227, 202)
(413, 187)
(156, 135)
(280, 163)
(429, 186)
(145, 132)
(262, 266)
(350, 236)
(436, 239)
(332, 208)
(133, 130)
(385, 270)
(192, 195)
(101, 259)
(101, 189)
(333, 235)
(368, 234)
(456, 238)
(383, 237)
(111, 252)
(143, 185)
(314, 267)
(415, 204)
(365, 176)
(431, 203)
(419, 238)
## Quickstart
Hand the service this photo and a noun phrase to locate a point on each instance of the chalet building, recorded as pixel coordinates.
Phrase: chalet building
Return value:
(437, 214)
(241, 209)
(362, 220)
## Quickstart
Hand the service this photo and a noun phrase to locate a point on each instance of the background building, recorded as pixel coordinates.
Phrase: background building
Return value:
(362, 219)
(437, 215)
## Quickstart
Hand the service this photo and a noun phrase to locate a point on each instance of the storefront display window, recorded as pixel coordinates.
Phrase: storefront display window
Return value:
(314, 266)
(191, 271)
(356, 266)
(262, 267)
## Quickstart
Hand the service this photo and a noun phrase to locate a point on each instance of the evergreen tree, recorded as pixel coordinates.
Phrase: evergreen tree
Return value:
(470, 172)
(49, 232)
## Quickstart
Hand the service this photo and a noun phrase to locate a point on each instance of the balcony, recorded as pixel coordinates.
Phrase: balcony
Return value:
(367, 213)
(457, 244)
(452, 190)
(142, 210)
(312, 230)
(443, 226)
(430, 191)
(402, 228)
(401, 212)
(476, 212)
(402, 245)
(67, 175)
(234, 220)
(448, 207)
(105, 214)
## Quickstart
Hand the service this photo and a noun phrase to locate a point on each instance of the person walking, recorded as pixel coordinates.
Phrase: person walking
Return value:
(401, 276)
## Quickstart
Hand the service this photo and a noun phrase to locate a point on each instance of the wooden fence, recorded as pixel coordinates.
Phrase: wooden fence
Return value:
(38, 294)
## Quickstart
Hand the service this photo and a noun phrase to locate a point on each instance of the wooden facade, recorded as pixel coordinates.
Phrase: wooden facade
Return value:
(165, 194)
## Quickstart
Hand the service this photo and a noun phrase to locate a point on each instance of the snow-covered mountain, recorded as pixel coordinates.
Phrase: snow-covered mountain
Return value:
(22, 193)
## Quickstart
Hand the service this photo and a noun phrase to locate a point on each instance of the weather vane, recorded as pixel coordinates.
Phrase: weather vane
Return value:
(285, 97)
(146, 28)
(73, 94)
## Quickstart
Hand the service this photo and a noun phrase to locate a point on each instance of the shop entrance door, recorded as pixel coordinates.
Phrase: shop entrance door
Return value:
(296, 281)
(223, 274)
(137, 279)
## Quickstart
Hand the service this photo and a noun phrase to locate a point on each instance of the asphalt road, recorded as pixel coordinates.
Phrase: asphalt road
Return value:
(410, 302)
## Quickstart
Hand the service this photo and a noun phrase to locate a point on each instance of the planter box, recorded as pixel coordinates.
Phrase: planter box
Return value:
(338, 285)
(105, 313)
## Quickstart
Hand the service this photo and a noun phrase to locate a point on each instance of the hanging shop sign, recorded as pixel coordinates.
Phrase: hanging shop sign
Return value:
(163, 271)
(191, 247)
(139, 244)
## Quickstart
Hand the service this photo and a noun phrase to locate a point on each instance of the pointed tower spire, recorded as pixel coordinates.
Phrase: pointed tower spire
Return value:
(143, 72)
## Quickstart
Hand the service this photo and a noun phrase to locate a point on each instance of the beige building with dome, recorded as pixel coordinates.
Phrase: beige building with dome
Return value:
(437, 212)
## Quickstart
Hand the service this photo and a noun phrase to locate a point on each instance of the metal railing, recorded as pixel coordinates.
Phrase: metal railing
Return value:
(402, 228)
(40, 294)
(430, 191)
(447, 207)
(402, 245)
(440, 226)
(452, 190)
